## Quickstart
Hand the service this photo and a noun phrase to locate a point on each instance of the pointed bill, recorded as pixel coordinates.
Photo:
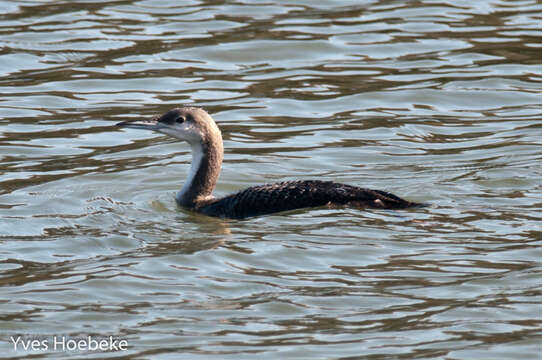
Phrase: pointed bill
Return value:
(151, 124)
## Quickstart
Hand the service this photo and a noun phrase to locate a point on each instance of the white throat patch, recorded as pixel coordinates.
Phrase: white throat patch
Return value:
(197, 157)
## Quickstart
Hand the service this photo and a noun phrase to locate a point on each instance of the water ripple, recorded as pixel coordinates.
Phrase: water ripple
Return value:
(435, 101)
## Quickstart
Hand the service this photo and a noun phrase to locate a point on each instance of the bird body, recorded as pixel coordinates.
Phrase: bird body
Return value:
(196, 126)
(290, 195)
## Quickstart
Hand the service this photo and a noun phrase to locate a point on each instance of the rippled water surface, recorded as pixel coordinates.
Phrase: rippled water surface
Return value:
(435, 101)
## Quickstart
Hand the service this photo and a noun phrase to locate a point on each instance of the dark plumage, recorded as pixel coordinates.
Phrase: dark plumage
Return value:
(290, 195)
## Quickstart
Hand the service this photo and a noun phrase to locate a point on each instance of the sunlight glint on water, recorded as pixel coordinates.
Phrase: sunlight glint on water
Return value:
(435, 102)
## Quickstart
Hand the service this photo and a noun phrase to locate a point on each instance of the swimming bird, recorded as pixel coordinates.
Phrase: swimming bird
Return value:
(199, 130)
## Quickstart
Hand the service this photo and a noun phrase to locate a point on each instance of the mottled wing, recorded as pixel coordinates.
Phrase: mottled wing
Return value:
(284, 196)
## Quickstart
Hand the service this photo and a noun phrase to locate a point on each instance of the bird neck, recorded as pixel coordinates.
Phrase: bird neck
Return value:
(207, 158)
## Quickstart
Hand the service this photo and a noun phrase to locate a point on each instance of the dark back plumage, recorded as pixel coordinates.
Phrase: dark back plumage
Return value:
(290, 195)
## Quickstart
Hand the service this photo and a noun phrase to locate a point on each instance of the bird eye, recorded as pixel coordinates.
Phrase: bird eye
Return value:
(180, 120)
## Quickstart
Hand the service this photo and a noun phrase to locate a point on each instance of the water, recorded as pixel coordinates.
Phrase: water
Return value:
(437, 102)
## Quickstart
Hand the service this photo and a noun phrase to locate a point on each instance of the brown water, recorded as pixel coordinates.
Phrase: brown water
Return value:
(435, 101)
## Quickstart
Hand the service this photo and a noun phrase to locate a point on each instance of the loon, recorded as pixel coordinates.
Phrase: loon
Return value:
(197, 127)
